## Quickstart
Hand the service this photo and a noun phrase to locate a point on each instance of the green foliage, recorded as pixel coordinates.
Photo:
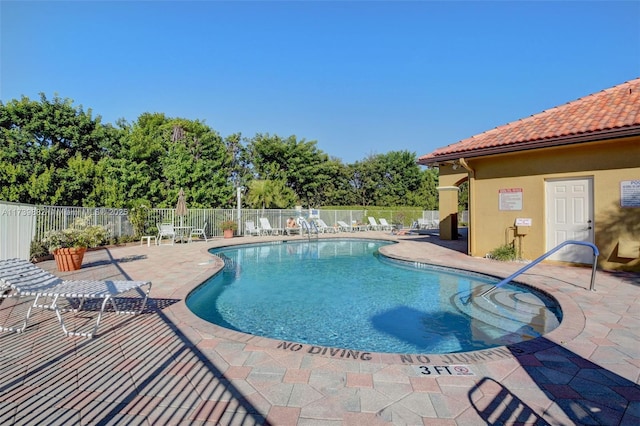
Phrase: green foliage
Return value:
(463, 197)
(505, 253)
(81, 234)
(228, 224)
(270, 194)
(48, 150)
(54, 153)
(139, 216)
(38, 249)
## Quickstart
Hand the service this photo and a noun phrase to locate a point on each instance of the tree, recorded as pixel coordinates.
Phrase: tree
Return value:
(270, 194)
(426, 196)
(300, 164)
(386, 179)
(41, 140)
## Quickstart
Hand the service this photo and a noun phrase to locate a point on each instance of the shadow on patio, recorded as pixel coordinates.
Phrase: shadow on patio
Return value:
(580, 392)
(138, 368)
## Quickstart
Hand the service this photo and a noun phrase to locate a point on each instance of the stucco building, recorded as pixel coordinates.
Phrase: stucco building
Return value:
(568, 173)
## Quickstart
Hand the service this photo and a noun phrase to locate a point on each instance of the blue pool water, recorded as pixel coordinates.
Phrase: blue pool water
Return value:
(342, 293)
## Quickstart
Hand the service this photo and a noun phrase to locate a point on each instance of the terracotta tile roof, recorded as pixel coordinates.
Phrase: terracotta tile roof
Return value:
(598, 116)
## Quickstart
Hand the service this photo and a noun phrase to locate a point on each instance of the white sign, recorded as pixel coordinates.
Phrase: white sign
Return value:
(630, 193)
(523, 221)
(510, 199)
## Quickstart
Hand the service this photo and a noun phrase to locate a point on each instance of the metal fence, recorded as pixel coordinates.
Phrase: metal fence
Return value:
(20, 224)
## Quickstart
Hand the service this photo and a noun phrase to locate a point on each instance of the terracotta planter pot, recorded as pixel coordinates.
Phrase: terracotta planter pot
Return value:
(69, 259)
(228, 233)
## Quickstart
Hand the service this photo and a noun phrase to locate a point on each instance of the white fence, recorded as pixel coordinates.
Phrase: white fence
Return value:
(17, 229)
(20, 224)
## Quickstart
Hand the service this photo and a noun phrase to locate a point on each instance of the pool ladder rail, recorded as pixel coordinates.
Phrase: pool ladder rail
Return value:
(310, 228)
(596, 253)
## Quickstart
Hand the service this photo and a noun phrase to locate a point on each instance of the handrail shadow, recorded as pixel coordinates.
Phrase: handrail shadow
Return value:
(584, 392)
(504, 408)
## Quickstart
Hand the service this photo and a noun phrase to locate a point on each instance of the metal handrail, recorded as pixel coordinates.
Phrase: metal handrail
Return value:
(309, 226)
(596, 253)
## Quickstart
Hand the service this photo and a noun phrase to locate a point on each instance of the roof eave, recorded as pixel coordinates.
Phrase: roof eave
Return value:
(536, 144)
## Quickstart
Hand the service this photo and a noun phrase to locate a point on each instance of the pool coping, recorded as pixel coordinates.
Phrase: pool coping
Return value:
(572, 324)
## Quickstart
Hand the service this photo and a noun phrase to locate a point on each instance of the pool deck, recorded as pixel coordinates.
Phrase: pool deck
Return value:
(168, 367)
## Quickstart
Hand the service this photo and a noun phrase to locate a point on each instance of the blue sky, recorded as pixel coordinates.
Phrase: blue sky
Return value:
(358, 77)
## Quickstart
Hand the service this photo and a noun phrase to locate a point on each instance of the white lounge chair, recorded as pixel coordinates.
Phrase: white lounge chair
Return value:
(323, 227)
(290, 230)
(345, 227)
(384, 224)
(199, 232)
(266, 228)
(250, 228)
(165, 230)
(20, 278)
(374, 225)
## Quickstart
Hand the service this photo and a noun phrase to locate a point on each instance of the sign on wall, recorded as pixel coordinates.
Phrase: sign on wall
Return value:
(510, 199)
(630, 193)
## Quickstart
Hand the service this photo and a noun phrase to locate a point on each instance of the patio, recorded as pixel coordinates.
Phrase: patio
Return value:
(166, 366)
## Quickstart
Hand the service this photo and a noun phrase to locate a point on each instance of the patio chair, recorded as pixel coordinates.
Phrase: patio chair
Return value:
(199, 232)
(250, 228)
(20, 278)
(374, 225)
(290, 230)
(344, 227)
(165, 230)
(323, 227)
(266, 228)
(384, 224)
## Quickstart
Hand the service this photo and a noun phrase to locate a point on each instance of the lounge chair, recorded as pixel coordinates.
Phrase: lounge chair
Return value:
(165, 230)
(343, 226)
(384, 224)
(266, 228)
(20, 278)
(351, 228)
(323, 227)
(290, 230)
(199, 232)
(250, 228)
(374, 225)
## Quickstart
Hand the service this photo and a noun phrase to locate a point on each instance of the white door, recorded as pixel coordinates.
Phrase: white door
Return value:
(570, 217)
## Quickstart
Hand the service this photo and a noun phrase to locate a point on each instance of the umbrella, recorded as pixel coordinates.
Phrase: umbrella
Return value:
(181, 207)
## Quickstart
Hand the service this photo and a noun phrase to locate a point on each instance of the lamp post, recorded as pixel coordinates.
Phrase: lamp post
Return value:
(239, 200)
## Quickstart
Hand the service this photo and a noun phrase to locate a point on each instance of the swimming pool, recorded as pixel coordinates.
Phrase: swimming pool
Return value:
(342, 293)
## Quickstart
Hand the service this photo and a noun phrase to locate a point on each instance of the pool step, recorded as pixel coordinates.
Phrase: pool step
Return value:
(505, 311)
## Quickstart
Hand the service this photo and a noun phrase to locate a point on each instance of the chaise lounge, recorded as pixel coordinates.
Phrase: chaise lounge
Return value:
(20, 278)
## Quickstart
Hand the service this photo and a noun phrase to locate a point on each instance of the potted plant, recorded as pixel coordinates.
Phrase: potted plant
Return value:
(69, 245)
(228, 228)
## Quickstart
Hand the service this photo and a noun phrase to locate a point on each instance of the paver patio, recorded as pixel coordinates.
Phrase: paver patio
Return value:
(167, 366)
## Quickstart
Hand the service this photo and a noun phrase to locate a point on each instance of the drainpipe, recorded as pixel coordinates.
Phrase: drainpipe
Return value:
(471, 244)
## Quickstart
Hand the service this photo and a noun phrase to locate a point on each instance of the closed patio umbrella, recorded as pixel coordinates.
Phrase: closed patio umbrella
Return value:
(181, 207)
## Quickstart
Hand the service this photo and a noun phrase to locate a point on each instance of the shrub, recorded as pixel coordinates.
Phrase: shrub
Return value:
(229, 224)
(79, 235)
(138, 215)
(504, 253)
